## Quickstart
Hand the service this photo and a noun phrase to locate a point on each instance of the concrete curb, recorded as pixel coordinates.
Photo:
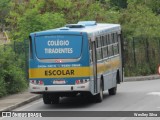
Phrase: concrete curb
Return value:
(142, 78)
(20, 104)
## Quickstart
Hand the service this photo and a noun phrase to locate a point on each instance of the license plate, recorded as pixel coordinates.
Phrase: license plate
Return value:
(59, 82)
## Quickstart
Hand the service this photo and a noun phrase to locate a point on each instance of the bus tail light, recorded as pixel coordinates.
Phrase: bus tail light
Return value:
(33, 81)
(58, 61)
(82, 81)
(78, 82)
(37, 82)
(41, 82)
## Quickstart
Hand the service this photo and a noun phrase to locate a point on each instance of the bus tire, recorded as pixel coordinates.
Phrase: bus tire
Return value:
(55, 99)
(112, 91)
(99, 97)
(46, 99)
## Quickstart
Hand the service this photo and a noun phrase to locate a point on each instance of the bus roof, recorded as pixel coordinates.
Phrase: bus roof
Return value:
(89, 27)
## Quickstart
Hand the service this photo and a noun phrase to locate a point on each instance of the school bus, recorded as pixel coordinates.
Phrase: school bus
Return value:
(83, 58)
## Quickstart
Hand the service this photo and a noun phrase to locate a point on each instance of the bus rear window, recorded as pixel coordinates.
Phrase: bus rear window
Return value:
(58, 46)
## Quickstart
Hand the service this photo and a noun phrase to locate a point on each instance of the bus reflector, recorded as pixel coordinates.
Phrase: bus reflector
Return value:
(37, 82)
(58, 61)
(78, 82)
(81, 81)
(40, 82)
(33, 81)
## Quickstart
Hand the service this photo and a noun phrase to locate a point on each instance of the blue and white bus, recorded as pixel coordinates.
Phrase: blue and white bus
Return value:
(83, 58)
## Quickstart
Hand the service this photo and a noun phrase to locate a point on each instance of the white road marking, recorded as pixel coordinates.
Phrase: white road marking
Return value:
(154, 93)
(123, 118)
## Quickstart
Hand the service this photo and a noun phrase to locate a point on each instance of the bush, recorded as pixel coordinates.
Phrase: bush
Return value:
(12, 76)
(3, 90)
(15, 79)
(139, 70)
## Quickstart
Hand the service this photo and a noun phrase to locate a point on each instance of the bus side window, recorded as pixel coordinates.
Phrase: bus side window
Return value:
(110, 46)
(103, 45)
(104, 48)
(112, 38)
(105, 51)
(109, 39)
(99, 54)
(115, 37)
(106, 40)
(116, 45)
(110, 50)
(115, 49)
(103, 40)
(98, 49)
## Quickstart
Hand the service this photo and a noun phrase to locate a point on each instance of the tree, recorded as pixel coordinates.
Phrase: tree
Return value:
(4, 9)
(29, 17)
(37, 15)
(154, 5)
(139, 20)
(119, 4)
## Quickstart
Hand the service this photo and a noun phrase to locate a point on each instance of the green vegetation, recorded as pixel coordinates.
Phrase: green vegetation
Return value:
(12, 78)
(139, 18)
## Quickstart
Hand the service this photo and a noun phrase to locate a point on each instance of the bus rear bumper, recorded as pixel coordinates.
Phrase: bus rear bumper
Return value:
(59, 88)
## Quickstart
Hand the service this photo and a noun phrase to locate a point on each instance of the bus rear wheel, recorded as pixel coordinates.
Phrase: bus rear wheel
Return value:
(55, 100)
(50, 99)
(46, 99)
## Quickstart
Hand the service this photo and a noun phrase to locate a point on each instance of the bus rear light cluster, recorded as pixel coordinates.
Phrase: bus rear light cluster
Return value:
(58, 61)
(82, 81)
(37, 82)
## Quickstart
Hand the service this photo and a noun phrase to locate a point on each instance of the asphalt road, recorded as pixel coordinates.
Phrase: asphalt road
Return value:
(131, 96)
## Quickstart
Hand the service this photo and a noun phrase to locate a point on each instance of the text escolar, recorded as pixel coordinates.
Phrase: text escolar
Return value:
(59, 72)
